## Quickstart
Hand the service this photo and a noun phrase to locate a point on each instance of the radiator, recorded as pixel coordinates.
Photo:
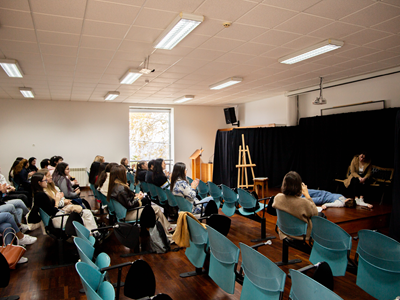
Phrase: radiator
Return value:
(81, 175)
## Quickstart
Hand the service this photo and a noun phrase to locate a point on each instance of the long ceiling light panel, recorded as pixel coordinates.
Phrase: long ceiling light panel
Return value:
(27, 92)
(312, 51)
(111, 96)
(225, 83)
(182, 25)
(184, 99)
(11, 67)
(130, 77)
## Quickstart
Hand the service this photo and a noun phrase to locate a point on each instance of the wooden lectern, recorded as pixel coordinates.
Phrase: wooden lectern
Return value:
(196, 163)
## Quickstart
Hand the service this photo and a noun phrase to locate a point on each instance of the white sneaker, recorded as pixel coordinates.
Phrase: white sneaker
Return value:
(172, 228)
(22, 260)
(24, 228)
(28, 240)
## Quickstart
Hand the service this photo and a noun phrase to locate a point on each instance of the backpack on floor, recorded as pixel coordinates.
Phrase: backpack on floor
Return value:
(159, 242)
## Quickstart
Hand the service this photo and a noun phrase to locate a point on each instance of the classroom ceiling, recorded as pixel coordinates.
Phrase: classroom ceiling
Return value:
(77, 50)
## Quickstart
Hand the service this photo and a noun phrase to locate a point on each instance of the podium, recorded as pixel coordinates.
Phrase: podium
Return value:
(200, 170)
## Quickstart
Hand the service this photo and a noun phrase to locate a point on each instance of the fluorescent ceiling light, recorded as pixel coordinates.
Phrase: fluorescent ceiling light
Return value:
(225, 83)
(27, 92)
(111, 96)
(11, 67)
(180, 27)
(130, 77)
(184, 99)
(312, 51)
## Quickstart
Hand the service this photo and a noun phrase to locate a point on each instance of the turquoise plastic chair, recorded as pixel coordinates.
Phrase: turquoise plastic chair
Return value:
(145, 187)
(86, 252)
(230, 201)
(153, 191)
(378, 265)
(197, 251)
(120, 212)
(83, 233)
(16, 185)
(223, 260)
(263, 279)
(183, 204)
(248, 202)
(203, 189)
(93, 283)
(162, 196)
(171, 198)
(216, 193)
(189, 179)
(291, 226)
(304, 287)
(131, 179)
(331, 244)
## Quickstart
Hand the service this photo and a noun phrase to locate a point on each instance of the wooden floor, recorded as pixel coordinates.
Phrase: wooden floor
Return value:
(30, 282)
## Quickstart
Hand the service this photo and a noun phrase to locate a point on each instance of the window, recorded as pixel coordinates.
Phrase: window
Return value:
(150, 134)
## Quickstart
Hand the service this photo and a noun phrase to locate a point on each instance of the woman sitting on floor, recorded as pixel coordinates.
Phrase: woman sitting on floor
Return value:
(181, 187)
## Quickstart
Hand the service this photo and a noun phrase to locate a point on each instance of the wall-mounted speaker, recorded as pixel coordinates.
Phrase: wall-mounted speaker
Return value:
(230, 115)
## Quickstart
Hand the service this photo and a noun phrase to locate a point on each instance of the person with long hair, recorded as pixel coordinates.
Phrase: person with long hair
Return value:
(360, 173)
(32, 165)
(21, 175)
(149, 174)
(159, 177)
(119, 191)
(103, 181)
(54, 161)
(290, 201)
(141, 171)
(180, 186)
(101, 170)
(10, 193)
(94, 168)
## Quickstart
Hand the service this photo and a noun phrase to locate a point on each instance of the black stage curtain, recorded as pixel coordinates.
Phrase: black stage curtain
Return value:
(320, 148)
(394, 229)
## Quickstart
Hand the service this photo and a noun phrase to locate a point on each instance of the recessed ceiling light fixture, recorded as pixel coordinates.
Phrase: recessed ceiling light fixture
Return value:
(27, 92)
(130, 77)
(11, 67)
(111, 96)
(312, 51)
(180, 27)
(184, 99)
(225, 83)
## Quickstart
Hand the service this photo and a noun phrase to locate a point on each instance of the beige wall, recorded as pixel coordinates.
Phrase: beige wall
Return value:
(79, 131)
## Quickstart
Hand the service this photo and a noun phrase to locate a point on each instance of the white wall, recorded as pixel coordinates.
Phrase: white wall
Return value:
(79, 131)
(381, 88)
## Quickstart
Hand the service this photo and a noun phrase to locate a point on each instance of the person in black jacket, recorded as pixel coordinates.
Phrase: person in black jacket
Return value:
(149, 174)
(141, 171)
(159, 177)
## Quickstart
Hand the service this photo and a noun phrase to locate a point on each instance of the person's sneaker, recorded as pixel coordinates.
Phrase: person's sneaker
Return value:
(28, 240)
(172, 228)
(22, 260)
(24, 228)
(95, 211)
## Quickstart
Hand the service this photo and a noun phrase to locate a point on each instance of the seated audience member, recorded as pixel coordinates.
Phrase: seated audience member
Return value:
(15, 207)
(290, 201)
(141, 171)
(101, 170)
(149, 174)
(7, 221)
(10, 193)
(21, 175)
(360, 173)
(125, 163)
(32, 165)
(327, 199)
(119, 191)
(103, 181)
(180, 186)
(54, 161)
(51, 205)
(44, 164)
(159, 177)
(94, 168)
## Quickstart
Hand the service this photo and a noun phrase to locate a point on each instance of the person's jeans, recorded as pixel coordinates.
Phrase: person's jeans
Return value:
(6, 221)
(15, 207)
(22, 195)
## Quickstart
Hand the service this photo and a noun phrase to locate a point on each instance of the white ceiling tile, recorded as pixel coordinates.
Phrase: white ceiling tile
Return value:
(60, 67)
(143, 34)
(58, 50)
(111, 12)
(241, 32)
(164, 58)
(357, 52)
(372, 15)
(253, 48)
(226, 10)
(292, 4)
(336, 30)
(129, 57)
(179, 51)
(193, 40)
(365, 36)
(136, 47)
(100, 43)
(353, 63)
(266, 16)
(394, 61)
(57, 38)
(17, 34)
(56, 59)
(16, 5)
(276, 38)
(95, 53)
(17, 19)
(204, 54)
(235, 58)
(302, 42)
(57, 23)
(71, 8)
(159, 19)
(175, 6)
(8, 47)
(337, 9)
(379, 56)
(385, 43)
(392, 25)
(210, 27)
(220, 44)
(278, 52)
(331, 60)
(303, 24)
(103, 29)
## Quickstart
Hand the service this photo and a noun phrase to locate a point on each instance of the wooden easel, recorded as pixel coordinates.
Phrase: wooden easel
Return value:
(243, 165)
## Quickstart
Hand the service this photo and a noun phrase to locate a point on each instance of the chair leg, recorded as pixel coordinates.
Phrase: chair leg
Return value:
(10, 298)
(285, 256)
(263, 233)
(198, 271)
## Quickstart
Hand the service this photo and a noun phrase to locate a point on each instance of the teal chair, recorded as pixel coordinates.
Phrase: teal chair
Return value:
(83, 233)
(16, 185)
(203, 189)
(161, 195)
(291, 226)
(144, 186)
(120, 212)
(197, 251)
(224, 256)
(189, 179)
(171, 198)
(131, 179)
(216, 193)
(86, 252)
(331, 244)
(378, 270)
(153, 192)
(230, 200)
(185, 205)
(263, 280)
(306, 288)
(93, 283)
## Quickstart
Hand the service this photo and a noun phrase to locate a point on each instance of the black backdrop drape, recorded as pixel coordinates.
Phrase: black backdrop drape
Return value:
(320, 148)
(394, 229)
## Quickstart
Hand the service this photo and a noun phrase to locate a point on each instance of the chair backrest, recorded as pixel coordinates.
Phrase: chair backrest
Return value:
(83, 233)
(140, 281)
(152, 189)
(92, 281)
(86, 251)
(290, 225)
(93, 188)
(189, 179)
(223, 260)
(102, 198)
(215, 191)
(171, 198)
(304, 287)
(120, 210)
(130, 177)
(162, 196)
(331, 244)
(183, 204)
(144, 186)
(246, 200)
(203, 189)
(45, 217)
(263, 278)
(198, 243)
(229, 195)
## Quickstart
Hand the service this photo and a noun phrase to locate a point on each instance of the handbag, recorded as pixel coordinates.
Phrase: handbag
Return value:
(12, 253)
